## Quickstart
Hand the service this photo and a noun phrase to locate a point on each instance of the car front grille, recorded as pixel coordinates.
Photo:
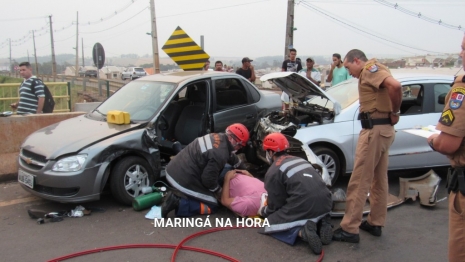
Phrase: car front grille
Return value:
(32, 159)
(54, 191)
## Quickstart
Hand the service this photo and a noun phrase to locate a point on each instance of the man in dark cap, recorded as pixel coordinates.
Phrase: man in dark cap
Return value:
(247, 69)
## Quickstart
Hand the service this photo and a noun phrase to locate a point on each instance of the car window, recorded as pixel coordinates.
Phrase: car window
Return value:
(139, 69)
(410, 92)
(229, 93)
(140, 99)
(412, 99)
(345, 93)
(254, 93)
(439, 89)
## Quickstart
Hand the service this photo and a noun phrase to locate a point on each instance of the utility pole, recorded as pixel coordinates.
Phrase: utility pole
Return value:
(54, 64)
(35, 52)
(289, 40)
(10, 69)
(76, 69)
(202, 43)
(82, 47)
(156, 59)
(29, 61)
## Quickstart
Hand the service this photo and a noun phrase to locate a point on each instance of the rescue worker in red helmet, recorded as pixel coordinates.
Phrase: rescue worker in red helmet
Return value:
(195, 170)
(298, 202)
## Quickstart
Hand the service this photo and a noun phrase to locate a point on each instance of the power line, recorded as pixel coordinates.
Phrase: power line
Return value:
(358, 29)
(419, 15)
(145, 8)
(116, 12)
(216, 8)
(373, 38)
(28, 36)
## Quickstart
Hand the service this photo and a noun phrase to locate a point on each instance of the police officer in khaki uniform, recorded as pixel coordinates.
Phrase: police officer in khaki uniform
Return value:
(450, 142)
(380, 97)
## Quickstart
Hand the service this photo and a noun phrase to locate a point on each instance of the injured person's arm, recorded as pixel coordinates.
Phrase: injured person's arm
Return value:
(226, 199)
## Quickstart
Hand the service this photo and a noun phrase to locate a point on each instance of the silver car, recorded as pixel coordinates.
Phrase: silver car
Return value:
(327, 120)
(133, 73)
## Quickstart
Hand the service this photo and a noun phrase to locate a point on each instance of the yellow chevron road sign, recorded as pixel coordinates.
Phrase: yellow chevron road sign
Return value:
(184, 51)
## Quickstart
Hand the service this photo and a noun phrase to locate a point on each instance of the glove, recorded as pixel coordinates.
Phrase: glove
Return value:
(263, 204)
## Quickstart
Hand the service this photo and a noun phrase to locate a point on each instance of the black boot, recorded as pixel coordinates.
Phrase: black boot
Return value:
(374, 230)
(343, 236)
(171, 202)
(309, 235)
(326, 230)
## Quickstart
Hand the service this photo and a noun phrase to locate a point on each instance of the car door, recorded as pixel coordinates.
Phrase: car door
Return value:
(232, 103)
(412, 151)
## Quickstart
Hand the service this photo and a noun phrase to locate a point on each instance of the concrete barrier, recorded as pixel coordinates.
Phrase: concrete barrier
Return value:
(13, 131)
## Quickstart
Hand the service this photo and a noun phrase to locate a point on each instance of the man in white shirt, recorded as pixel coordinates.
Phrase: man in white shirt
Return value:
(311, 73)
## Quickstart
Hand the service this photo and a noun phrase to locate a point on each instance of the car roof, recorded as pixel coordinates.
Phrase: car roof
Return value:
(403, 77)
(178, 77)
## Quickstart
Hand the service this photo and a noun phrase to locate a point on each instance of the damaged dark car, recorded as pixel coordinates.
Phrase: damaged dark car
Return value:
(74, 160)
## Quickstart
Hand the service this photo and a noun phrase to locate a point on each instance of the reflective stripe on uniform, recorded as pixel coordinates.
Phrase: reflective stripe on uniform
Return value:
(284, 226)
(290, 163)
(204, 209)
(214, 189)
(189, 192)
(296, 169)
(205, 143)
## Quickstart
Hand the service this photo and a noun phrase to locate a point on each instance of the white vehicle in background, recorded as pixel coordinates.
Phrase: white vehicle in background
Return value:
(133, 73)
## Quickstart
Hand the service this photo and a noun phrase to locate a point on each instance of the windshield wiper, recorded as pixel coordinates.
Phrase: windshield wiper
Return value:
(96, 110)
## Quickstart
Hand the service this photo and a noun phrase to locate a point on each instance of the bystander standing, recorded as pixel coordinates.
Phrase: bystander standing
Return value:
(31, 92)
(247, 70)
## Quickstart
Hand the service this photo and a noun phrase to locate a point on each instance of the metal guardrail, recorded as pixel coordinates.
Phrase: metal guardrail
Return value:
(83, 89)
(9, 93)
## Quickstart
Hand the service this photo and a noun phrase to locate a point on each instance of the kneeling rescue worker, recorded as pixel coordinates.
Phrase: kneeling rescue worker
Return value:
(194, 172)
(298, 202)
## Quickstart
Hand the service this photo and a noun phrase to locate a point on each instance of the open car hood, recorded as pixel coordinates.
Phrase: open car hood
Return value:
(298, 87)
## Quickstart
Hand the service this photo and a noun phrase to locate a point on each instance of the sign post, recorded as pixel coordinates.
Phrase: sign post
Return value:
(98, 55)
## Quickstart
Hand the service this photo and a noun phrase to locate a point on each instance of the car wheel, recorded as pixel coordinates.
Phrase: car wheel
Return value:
(131, 78)
(128, 178)
(122, 77)
(331, 160)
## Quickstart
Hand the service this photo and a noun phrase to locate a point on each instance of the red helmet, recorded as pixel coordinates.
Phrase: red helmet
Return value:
(240, 132)
(276, 142)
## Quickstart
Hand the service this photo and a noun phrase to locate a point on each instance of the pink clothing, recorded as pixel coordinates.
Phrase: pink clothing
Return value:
(246, 192)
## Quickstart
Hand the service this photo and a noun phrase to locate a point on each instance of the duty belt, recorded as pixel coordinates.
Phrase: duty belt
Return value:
(456, 180)
(368, 122)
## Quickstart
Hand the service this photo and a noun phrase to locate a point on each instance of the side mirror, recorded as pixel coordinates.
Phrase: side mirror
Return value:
(442, 99)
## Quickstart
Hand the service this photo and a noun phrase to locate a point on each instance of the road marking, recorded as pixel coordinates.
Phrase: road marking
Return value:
(19, 201)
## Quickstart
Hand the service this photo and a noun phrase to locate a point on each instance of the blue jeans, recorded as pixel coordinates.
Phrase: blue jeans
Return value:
(190, 207)
(288, 236)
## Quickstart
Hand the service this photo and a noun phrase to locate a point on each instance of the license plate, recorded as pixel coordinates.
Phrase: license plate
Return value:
(26, 179)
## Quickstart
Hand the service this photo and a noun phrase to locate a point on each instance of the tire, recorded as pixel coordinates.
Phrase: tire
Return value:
(131, 78)
(331, 160)
(129, 171)
(122, 77)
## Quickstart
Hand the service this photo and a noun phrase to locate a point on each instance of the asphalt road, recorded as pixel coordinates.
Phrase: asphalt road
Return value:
(412, 233)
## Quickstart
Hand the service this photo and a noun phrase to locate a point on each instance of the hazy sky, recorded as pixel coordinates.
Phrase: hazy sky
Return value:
(236, 28)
